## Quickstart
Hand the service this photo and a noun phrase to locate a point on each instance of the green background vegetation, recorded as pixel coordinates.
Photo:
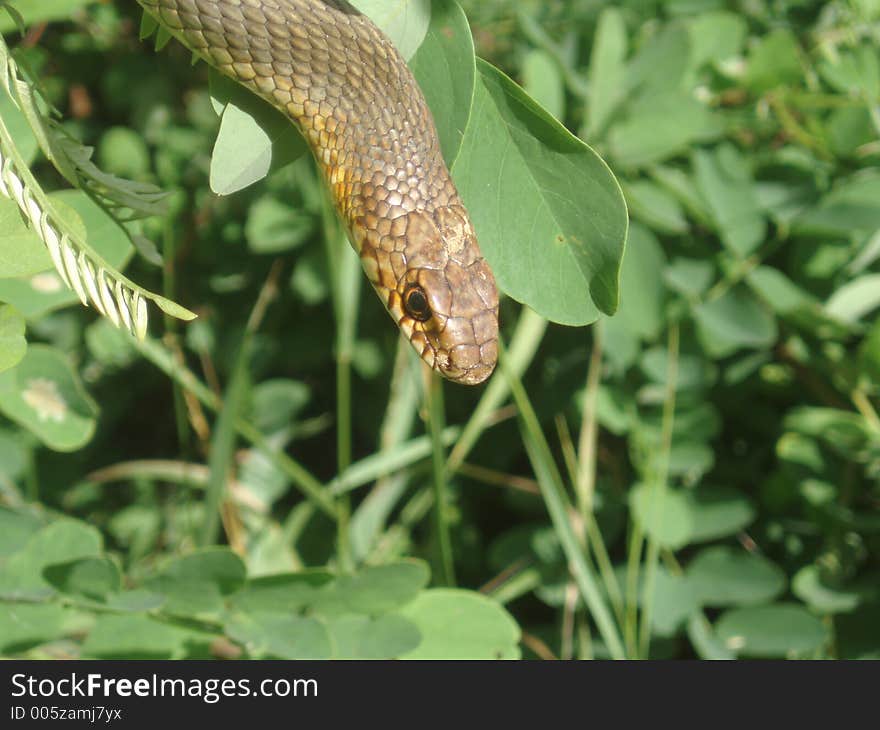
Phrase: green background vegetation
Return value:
(695, 476)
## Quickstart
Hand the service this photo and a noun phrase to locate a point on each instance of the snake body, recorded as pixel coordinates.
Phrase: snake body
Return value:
(335, 74)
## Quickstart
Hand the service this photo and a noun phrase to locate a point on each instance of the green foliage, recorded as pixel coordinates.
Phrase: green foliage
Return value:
(696, 475)
(58, 580)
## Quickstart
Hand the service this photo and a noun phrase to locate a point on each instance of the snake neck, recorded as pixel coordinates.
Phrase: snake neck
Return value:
(334, 73)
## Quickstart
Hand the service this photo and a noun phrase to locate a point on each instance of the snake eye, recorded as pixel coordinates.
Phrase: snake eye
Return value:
(416, 304)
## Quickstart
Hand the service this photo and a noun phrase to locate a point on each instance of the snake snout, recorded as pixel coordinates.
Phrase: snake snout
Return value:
(463, 333)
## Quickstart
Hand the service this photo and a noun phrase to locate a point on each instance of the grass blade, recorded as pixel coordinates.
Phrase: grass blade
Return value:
(558, 506)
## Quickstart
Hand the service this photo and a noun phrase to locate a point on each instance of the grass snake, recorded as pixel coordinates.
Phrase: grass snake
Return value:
(339, 78)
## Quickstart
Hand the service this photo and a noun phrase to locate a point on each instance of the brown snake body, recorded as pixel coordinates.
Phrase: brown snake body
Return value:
(334, 73)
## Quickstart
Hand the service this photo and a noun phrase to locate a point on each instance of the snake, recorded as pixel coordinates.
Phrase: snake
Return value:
(336, 76)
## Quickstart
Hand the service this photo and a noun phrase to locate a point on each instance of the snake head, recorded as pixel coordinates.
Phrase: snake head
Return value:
(439, 289)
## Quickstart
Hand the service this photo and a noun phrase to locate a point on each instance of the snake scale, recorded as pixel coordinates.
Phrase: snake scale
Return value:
(334, 73)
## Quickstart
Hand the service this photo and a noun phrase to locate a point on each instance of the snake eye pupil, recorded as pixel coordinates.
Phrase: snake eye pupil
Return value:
(417, 305)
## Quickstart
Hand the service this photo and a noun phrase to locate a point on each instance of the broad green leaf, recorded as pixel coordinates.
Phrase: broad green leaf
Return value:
(660, 66)
(374, 590)
(693, 373)
(642, 294)
(273, 227)
(853, 71)
(134, 601)
(855, 299)
(543, 82)
(655, 207)
(44, 292)
(16, 528)
(722, 576)
(142, 637)
(558, 253)
(851, 207)
(666, 518)
(718, 512)
(291, 593)
(778, 290)
(682, 186)
(37, 295)
(254, 138)
(277, 403)
(41, 12)
(92, 578)
(196, 584)
(13, 345)
(382, 637)
(281, 636)
(726, 183)
(690, 277)
(108, 345)
(457, 624)
(44, 394)
(660, 126)
(446, 71)
(21, 576)
(705, 641)
(774, 61)
(780, 630)
(103, 233)
(674, 601)
(606, 73)
(270, 551)
(16, 122)
(808, 585)
(734, 321)
(22, 253)
(621, 347)
(690, 460)
(846, 431)
(123, 152)
(25, 625)
(716, 37)
(849, 130)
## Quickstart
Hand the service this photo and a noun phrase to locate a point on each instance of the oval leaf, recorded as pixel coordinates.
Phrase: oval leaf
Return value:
(44, 394)
(724, 577)
(446, 71)
(12, 342)
(558, 252)
(458, 624)
(771, 631)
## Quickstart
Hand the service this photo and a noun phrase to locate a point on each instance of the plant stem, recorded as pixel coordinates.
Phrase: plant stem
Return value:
(658, 492)
(586, 476)
(223, 440)
(169, 254)
(344, 268)
(555, 499)
(436, 426)
(311, 488)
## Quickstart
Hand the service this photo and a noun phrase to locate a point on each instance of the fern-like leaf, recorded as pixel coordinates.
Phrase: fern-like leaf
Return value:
(95, 282)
